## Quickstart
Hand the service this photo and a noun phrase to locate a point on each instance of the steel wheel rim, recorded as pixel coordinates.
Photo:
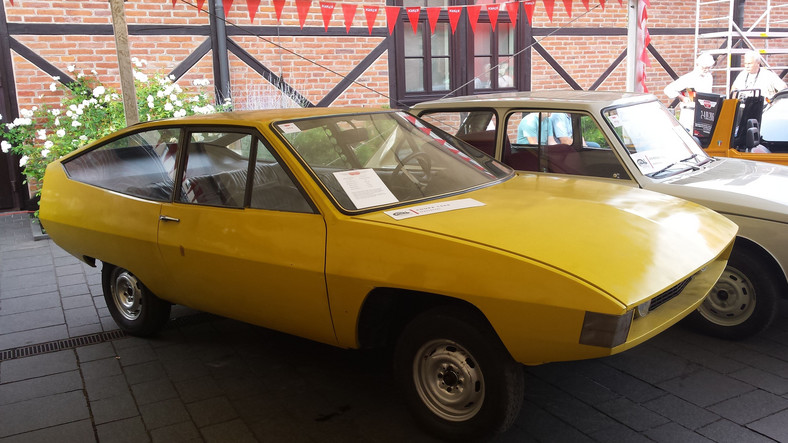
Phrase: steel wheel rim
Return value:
(731, 301)
(448, 380)
(127, 294)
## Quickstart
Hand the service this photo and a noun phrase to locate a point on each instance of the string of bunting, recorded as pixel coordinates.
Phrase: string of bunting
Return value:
(413, 13)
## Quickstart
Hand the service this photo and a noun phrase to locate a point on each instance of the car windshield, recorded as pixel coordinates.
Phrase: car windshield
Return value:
(773, 127)
(655, 140)
(386, 158)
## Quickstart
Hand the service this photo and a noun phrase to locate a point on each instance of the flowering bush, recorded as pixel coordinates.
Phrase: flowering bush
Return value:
(90, 111)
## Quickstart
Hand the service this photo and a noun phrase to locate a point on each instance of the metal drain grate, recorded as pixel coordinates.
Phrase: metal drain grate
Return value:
(59, 345)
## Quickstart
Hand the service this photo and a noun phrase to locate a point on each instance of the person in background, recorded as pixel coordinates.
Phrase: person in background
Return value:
(755, 77)
(700, 79)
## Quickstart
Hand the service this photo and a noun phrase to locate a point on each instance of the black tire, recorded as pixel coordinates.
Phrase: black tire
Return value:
(477, 389)
(135, 309)
(743, 302)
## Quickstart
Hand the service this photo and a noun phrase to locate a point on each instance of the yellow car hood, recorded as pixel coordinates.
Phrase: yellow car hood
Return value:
(630, 243)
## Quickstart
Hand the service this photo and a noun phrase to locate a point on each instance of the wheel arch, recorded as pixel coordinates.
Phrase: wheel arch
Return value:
(768, 260)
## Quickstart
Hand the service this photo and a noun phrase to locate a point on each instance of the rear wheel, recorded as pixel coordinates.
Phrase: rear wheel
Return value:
(133, 306)
(459, 381)
(743, 302)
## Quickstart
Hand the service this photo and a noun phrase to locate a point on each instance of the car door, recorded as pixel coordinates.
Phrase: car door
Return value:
(241, 240)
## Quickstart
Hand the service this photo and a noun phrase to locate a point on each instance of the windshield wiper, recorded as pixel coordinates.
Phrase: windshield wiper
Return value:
(693, 167)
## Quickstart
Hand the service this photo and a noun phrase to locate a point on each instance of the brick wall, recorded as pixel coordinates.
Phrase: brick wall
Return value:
(585, 58)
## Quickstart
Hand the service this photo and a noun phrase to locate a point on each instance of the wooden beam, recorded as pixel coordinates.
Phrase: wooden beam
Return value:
(124, 62)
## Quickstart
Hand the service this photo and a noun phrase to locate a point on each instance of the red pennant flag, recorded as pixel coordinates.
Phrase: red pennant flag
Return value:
(492, 11)
(199, 4)
(585, 3)
(349, 11)
(227, 4)
(303, 9)
(278, 6)
(327, 10)
(568, 6)
(371, 12)
(473, 15)
(12, 2)
(252, 5)
(454, 17)
(413, 16)
(548, 7)
(392, 15)
(602, 4)
(512, 8)
(432, 15)
(173, 3)
(621, 2)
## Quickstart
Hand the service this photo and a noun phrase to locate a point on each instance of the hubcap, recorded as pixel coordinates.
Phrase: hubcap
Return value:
(448, 380)
(127, 294)
(732, 300)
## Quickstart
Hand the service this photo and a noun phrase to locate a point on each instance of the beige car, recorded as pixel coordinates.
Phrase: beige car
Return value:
(633, 139)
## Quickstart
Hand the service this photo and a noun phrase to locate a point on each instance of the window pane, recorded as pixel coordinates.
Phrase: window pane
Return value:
(481, 72)
(440, 74)
(505, 39)
(272, 188)
(414, 75)
(481, 39)
(440, 40)
(216, 169)
(474, 127)
(414, 45)
(142, 164)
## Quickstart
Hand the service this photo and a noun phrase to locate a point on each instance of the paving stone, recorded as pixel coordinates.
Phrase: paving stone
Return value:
(724, 431)
(750, 406)
(45, 288)
(33, 336)
(136, 355)
(761, 361)
(95, 352)
(619, 433)
(25, 321)
(76, 432)
(705, 388)
(114, 408)
(130, 430)
(21, 282)
(672, 433)
(631, 414)
(211, 411)
(545, 427)
(78, 301)
(566, 407)
(762, 379)
(72, 269)
(621, 382)
(29, 303)
(88, 329)
(68, 260)
(681, 411)
(230, 432)
(37, 366)
(164, 413)
(40, 387)
(33, 270)
(42, 412)
(81, 316)
(68, 280)
(27, 262)
(73, 290)
(198, 389)
(153, 391)
(181, 432)
(144, 372)
(105, 367)
(99, 388)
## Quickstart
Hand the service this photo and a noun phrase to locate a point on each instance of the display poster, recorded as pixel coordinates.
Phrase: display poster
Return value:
(364, 188)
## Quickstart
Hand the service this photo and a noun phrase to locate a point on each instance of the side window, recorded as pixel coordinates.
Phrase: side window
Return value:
(141, 164)
(478, 128)
(272, 188)
(560, 143)
(217, 165)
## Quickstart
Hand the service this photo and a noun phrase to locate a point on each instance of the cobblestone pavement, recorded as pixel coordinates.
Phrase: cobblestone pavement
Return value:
(67, 374)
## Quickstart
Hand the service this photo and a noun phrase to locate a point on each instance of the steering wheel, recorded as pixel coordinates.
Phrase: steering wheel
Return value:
(425, 164)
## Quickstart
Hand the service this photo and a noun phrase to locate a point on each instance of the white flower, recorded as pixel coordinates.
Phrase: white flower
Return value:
(53, 87)
(150, 105)
(80, 111)
(171, 77)
(178, 103)
(180, 113)
(22, 121)
(61, 132)
(168, 106)
(76, 123)
(201, 82)
(56, 78)
(41, 134)
(57, 121)
(48, 144)
(45, 152)
(25, 113)
(83, 137)
(159, 94)
(72, 107)
(55, 112)
(93, 71)
(98, 90)
(80, 75)
(150, 99)
(23, 161)
(71, 68)
(142, 78)
(5, 146)
(69, 113)
(173, 97)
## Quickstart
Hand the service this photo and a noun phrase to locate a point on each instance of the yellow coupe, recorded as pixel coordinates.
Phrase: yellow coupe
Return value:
(364, 228)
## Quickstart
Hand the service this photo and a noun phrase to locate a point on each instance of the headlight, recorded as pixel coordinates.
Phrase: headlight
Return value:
(605, 330)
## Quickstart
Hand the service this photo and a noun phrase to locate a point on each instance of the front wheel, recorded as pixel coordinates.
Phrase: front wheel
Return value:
(459, 381)
(743, 302)
(133, 306)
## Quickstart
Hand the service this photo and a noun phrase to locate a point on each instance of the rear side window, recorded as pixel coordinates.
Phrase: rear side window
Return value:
(142, 164)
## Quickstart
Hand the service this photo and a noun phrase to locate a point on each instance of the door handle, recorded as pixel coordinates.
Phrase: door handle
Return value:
(169, 219)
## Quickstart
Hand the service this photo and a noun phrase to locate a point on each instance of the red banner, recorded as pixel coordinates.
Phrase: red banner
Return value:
(392, 15)
(303, 9)
(227, 4)
(492, 11)
(432, 16)
(585, 3)
(454, 17)
(512, 8)
(602, 3)
(473, 15)
(252, 6)
(548, 7)
(278, 6)
(327, 10)
(413, 16)
(529, 6)
(349, 11)
(371, 12)
(568, 7)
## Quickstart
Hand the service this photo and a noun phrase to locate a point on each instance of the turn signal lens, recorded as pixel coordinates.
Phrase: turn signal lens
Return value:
(605, 330)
